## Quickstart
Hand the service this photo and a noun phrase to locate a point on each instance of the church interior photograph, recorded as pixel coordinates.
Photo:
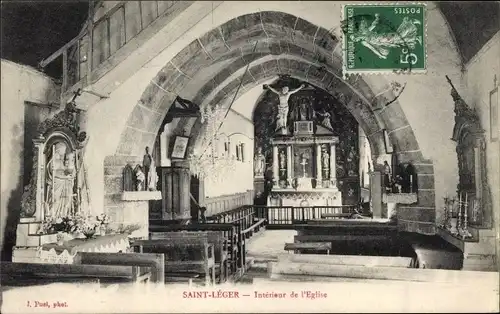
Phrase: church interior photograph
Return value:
(268, 156)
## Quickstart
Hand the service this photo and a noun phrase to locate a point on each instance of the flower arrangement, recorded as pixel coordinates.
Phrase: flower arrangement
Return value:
(70, 224)
(58, 224)
(103, 219)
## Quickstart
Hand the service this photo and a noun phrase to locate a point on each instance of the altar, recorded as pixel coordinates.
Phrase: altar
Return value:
(304, 167)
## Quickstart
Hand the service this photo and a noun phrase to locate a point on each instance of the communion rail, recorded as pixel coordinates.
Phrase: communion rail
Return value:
(283, 216)
(279, 216)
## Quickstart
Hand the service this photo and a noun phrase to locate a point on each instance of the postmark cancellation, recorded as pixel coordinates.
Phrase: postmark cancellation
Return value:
(384, 38)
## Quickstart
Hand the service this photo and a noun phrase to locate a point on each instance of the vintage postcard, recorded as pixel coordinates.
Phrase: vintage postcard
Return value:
(250, 156)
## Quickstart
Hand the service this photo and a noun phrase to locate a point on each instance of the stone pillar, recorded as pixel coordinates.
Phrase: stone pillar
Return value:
(289, 165)
(319, 180)
(333, 165)
(376, 193)
(275, 166)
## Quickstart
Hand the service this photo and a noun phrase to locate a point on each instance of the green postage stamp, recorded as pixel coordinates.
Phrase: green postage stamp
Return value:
(381, 38)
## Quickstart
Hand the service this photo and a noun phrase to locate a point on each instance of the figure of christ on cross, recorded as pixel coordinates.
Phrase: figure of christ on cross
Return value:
(304, 163)
(284, 96)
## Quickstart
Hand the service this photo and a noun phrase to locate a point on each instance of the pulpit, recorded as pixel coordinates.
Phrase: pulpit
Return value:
(304, 167)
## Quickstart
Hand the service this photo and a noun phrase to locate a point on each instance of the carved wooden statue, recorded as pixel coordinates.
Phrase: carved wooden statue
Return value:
(128, 179)
(58, 176)
(469, 136)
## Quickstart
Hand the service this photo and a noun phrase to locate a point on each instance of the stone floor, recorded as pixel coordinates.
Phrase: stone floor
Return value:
(269, 243)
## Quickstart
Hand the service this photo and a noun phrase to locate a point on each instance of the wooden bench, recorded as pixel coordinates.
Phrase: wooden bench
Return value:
(183, 242)
(234, 243)
(309, 246)
(105, 268)
(221, 256)
(155, 262)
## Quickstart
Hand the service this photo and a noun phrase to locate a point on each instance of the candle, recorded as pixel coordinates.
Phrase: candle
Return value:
(465, 197)
(411, 183)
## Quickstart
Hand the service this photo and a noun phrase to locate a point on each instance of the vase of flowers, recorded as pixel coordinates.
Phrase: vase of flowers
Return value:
(103, 220)
(60, 238)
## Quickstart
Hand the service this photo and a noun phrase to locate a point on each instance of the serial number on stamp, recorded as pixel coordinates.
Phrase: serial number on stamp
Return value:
(384, 38)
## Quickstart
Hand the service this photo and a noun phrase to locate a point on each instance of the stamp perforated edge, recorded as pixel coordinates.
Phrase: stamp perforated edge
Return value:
(346, 72)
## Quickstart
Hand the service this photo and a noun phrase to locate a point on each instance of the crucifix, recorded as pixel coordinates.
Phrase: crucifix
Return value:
(303, 163)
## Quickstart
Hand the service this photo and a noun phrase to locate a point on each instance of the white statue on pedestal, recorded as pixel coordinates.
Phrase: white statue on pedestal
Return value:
(60, 182)
(284, 96)
(259, 163)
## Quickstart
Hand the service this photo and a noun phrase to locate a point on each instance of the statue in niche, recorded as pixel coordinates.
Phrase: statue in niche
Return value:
(284, 96)
(325, 158)
(259, 163)
(140, 177)
(128, 179)
(304, 112)
(56, 149)
(60, 181)
(282, 160)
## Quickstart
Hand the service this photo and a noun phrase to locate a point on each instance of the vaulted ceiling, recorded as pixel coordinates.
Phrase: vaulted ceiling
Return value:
(473, 24)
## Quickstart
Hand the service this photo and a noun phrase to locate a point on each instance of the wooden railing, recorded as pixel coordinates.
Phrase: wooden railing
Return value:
(246, 216)
(288, 215)
(103, 38)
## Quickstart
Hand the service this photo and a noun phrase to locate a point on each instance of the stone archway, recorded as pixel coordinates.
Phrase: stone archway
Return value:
(293, 46)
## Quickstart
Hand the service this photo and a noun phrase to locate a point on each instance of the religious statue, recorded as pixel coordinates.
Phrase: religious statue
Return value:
(284, 95)
(147, 160)
(304, 112)
(128, 179)
(325, 117)
(325, 159)
(60, 180)
(152, 176)
(282, 160)
(387, 176)
(139, 178)
(259, 163)
(406, 35)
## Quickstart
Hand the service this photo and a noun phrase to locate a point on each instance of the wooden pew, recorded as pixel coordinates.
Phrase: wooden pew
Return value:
(105, 267)
(234, 243)
(309, 246)
(155, 262)
(217, 239)
(186, 242)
